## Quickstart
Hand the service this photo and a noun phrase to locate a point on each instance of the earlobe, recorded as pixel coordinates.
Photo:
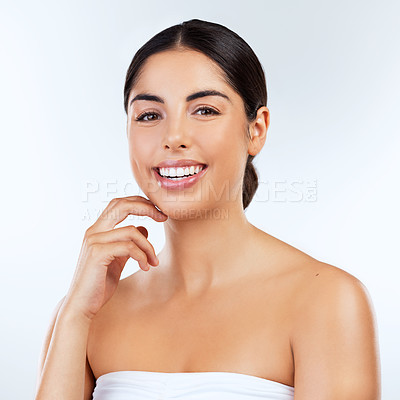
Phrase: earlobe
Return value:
(253, 144)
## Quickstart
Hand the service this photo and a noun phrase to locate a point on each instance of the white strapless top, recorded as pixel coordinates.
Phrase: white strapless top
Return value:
(149, 385)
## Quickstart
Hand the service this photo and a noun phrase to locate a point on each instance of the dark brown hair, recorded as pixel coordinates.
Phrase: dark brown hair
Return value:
(243, 71)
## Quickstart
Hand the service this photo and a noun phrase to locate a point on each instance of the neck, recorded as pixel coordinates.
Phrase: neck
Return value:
(204, 252)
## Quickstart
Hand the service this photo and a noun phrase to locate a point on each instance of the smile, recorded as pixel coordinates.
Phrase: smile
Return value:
(179, 178)
(180, 172)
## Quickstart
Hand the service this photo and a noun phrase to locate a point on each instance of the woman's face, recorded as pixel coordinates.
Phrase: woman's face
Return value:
(209, 129)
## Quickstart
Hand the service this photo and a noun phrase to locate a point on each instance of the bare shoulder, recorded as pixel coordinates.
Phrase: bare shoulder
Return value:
(334, 336)
(333, 332)
(327, 286)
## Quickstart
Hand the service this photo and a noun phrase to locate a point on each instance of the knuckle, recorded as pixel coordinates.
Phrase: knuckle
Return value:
(137, 236)
(88, 231)
(114, 201)
(122, 203)
(139, 255)
(132, 232)
(131, 245)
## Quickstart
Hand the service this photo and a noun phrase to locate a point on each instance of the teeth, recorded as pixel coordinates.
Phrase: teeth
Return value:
(180, 171)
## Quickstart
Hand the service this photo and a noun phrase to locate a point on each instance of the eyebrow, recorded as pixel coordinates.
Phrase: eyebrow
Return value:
(193, 96)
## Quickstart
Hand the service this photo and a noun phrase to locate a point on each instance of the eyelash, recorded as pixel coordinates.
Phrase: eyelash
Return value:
(140, 118)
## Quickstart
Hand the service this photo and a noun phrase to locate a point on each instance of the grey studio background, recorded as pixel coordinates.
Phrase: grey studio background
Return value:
(329, 170)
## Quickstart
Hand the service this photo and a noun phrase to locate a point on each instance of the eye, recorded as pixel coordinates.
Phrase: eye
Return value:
(146, 114)
(210, 111)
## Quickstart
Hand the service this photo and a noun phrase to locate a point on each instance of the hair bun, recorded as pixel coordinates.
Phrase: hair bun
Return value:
(250, 182)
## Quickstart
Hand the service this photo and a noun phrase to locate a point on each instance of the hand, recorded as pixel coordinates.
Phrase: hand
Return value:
(106, 250)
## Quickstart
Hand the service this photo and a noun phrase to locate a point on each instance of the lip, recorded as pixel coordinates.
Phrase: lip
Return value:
(178, 163)
(184, 183)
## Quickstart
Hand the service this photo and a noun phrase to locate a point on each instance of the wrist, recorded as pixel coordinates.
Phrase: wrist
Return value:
(72, 315)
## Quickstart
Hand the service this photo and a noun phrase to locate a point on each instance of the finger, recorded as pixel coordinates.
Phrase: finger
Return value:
(107, 252)
(119, 208)
(141, 198)
(129, 232)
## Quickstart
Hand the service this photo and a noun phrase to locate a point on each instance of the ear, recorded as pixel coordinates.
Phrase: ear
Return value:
(258, 131)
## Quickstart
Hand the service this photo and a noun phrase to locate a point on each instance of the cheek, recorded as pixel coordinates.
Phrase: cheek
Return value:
(226, 155)
(141, 150)
(227, 147)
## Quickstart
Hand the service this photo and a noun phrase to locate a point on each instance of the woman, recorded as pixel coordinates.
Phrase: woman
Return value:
(225, 310)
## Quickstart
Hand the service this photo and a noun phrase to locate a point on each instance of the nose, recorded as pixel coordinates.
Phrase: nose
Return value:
(176, 135)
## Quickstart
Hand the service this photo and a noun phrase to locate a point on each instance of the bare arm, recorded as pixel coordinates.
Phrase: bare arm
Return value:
(47, 340)
(64, 372)
(335, 341)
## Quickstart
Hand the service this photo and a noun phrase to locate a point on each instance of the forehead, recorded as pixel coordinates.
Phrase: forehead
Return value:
(178, 72)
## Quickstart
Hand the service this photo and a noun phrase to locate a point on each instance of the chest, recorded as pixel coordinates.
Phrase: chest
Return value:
(243, 331)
